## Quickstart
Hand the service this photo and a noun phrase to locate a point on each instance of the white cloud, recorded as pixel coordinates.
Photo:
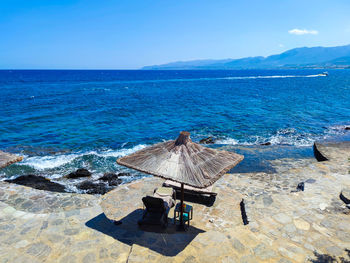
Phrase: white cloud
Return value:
(281, 45)
(297, 31)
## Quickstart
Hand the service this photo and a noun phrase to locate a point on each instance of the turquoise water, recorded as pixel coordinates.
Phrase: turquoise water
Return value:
(63, 120)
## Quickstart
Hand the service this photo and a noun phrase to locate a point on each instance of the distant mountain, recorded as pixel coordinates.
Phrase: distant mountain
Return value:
(313, 57)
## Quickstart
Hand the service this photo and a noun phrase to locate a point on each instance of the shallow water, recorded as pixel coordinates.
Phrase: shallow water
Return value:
(63, 120)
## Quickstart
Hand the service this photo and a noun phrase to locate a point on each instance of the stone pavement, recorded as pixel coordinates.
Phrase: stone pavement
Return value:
(285, 226)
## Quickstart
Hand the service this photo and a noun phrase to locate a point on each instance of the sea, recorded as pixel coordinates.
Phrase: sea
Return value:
(62, 120)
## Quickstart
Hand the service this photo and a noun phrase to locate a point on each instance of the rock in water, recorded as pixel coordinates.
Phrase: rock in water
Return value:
(124, 174)
(345, 195)
(81, 172)
(347, 128)
(38, 182)
(208, 140)
(93, 188)
(266, 143)
(111, 178)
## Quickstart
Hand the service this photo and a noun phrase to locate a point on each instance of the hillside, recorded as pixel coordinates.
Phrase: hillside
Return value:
(314, 57)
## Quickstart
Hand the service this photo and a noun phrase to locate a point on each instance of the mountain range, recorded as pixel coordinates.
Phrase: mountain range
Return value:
(305, 57)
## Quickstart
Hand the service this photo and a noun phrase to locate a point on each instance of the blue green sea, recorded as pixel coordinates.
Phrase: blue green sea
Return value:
(61, 120)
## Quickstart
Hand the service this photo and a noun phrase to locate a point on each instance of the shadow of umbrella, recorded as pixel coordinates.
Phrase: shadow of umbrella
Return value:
(167, 242)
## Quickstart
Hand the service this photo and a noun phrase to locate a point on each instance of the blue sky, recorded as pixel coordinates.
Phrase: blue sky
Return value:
(118, 34)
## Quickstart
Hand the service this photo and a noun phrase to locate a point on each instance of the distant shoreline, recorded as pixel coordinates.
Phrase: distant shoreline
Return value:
(298, 58)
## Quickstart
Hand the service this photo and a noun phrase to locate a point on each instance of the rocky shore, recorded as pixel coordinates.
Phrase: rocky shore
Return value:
(285, 225)
(100, 186)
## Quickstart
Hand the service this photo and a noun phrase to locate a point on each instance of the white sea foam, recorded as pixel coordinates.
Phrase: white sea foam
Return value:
(50, 162)
(119, 153)
(282, 137)
(229, 141)
(237, 78)
(203, 79)
(337, 129)
(289, 136)
(273, 77)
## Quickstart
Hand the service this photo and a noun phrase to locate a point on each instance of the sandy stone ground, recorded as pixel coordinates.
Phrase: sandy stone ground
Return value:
(284, 225)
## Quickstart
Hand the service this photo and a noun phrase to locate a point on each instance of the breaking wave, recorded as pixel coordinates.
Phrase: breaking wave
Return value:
(59, 160)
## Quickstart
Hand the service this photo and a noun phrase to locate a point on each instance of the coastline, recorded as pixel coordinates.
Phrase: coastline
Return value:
(284, 226)
(258, 158)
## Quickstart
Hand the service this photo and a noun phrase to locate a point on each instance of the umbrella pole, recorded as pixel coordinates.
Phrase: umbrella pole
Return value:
(182, 226)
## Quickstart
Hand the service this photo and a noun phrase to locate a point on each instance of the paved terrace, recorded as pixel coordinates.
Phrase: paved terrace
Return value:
(39, 226)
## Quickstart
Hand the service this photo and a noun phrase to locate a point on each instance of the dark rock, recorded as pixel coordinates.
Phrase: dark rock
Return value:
(318, 155)
(265, 143)
(243, 213)
(300, 186)
(38, 182)
(108, 177)
(81, 172)
(347, 128)
(93, 188)
(124, 174)
(208, 140)
(111, 178)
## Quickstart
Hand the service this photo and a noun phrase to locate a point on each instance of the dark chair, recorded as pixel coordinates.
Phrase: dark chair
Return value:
(155, 213)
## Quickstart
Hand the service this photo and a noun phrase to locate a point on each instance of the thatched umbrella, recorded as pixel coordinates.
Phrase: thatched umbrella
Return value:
(182, 161)
(7, 159)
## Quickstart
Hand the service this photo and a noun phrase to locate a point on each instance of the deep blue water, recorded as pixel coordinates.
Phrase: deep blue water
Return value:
(62, 120)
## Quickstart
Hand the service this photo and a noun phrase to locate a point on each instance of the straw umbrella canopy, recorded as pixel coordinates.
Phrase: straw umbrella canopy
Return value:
(6, 159)
(182, 161)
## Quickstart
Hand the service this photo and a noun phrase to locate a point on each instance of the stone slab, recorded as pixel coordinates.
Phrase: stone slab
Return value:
(334, 151)
(6, 159)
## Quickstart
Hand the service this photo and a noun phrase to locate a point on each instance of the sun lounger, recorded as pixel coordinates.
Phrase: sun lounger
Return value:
(168, 195)
(157, 207)
(208, 193)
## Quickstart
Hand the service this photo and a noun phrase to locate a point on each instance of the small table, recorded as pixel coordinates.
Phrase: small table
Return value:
(187, 213)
